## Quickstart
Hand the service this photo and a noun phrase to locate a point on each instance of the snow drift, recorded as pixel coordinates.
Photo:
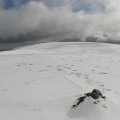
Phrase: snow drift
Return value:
(43, 81)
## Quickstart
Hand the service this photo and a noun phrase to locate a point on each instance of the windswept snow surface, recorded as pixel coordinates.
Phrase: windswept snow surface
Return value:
(42, 82)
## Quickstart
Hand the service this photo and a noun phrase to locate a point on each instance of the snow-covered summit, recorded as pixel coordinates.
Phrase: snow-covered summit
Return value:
(43, 81)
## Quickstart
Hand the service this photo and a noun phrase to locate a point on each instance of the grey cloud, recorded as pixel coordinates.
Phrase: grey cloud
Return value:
(1, 3)
(36, 21)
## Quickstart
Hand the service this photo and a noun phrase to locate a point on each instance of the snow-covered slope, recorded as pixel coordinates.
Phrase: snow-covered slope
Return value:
(42, 82)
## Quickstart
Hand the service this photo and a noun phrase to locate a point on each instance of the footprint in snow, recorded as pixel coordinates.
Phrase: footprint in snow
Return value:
(103, 73)
(5, 89)
(74, 70)
(26, 83)
(18, 65)
(59, 69)
(78, 74)
(30, 64)
(108, 90)
(117, 93)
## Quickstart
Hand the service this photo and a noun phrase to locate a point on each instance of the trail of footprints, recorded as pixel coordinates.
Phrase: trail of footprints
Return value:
(69, 69)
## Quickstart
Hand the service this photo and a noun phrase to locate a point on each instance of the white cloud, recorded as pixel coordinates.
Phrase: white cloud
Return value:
(36, 19)
(46, 21)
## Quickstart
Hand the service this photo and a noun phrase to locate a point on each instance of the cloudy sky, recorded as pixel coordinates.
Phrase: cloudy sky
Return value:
(58, 19)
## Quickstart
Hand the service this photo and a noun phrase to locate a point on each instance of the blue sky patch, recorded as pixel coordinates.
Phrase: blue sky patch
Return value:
(77, 6)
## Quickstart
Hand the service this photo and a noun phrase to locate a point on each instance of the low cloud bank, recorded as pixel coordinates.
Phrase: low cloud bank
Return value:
(37, 21)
